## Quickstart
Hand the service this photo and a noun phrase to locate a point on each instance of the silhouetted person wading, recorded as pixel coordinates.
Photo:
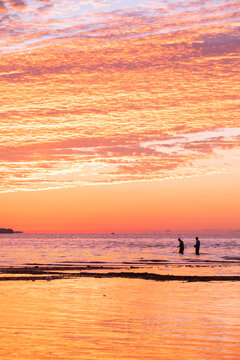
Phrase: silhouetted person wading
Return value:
(197, 246)
(181, 246)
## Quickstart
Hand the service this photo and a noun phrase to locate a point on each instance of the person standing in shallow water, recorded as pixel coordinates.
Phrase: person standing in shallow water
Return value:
(197, 246)
(181, 246)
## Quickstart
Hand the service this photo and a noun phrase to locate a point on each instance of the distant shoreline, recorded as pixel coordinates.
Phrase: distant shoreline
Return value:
(9, 231)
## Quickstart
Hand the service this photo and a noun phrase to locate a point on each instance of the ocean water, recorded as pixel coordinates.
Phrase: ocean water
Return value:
(116, 318)
(20, 249)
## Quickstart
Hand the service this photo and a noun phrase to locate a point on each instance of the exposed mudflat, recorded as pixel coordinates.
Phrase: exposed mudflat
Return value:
(62, 272)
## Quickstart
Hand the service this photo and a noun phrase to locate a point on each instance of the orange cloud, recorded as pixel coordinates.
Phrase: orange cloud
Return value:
(133, 94)
(76, 162)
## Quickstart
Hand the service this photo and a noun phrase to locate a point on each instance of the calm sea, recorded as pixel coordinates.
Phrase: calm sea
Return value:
(19, 249)
(120, 319)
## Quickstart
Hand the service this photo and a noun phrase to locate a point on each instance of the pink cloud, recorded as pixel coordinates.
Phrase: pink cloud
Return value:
(3, 8)
(16, 4)
(116, 25)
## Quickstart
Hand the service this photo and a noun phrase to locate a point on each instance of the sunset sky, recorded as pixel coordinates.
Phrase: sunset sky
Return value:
(120, 115)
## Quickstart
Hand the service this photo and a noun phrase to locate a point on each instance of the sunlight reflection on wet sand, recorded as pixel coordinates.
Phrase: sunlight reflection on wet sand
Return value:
(119, 319)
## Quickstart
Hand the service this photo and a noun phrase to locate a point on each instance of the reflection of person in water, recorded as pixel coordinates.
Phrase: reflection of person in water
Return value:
(181, 246)
(197, 246)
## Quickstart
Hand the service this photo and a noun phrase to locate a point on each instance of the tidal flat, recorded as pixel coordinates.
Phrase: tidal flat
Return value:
(144, 272)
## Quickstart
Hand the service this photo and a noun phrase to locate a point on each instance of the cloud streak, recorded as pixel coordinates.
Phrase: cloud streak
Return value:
(85, 162)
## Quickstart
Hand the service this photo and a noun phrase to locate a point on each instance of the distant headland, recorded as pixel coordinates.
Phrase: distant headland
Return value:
(9, 231)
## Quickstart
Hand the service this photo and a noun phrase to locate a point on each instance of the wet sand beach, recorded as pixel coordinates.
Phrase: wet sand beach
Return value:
(62, 272)
(119, 318)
